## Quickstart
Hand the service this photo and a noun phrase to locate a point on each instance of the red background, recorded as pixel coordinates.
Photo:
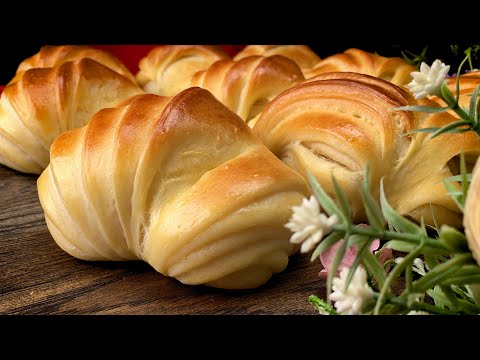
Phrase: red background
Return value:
(131, 54)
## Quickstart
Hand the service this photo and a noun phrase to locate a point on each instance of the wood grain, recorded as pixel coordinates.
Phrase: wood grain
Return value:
(37, 277)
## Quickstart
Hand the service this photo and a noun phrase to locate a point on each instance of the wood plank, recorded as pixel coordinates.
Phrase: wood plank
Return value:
(37, 277)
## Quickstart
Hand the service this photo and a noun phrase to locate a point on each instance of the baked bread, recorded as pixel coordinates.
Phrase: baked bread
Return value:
(337, 123)
(392, 69)
(247, 85)
(301, 54)
(47, 101)
(144, 180)
(167, 70)
(50, 56)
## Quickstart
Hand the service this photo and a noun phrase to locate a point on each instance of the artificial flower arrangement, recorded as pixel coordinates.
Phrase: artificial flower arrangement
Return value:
(438, 266)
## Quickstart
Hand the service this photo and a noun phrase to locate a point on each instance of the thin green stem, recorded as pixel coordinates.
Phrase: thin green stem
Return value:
(441, 272)
(433, 309)
(390, 235)
(397, 270)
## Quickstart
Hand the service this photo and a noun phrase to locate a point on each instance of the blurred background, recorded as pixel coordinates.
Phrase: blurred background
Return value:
(131, 54)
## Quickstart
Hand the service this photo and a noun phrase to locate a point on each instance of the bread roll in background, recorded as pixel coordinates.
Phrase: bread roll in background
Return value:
(168, 69)
(302, 55)
(392, 69)
(181, 183)
(245, 86)
(44, 102)
(51, 56)
(338, 123)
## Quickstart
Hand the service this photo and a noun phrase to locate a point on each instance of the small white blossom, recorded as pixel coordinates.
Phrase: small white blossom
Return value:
(417, 312)
(428, 80)
(352, 300)
(419, 266)
(309, 225)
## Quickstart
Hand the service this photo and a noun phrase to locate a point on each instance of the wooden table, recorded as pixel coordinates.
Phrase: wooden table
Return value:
(37, 277)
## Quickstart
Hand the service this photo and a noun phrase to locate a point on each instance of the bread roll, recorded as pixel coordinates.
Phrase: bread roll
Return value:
(247, 85)
(51, 56)
(392, 69)
(337, 123)
(302, 55)
(167, 70)
(44, 102)
(180, 183)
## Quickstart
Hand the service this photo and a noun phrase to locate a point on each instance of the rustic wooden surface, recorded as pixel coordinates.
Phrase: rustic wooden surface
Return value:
(37, 277)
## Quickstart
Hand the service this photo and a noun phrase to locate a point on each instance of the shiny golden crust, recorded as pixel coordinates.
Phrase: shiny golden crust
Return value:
(245, 86)
(50, 56)
(337, 123)
(167, 70)
(392, 69)
(145, 181)
(48, 101)
(302, 55)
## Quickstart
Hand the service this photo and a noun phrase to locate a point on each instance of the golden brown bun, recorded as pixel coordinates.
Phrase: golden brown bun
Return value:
(144, 180)
(46, 102)
(392, 69)
(245, 86)
(337, 123)
(50, 56)
(301, 54)
(167, 70)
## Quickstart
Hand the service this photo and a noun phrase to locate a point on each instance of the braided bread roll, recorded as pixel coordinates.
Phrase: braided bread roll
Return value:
(247, 85)
(167, 70)
(46, 102)
(392, 69)
(144, 180)
(51, 56)
(337, 123)
(302, 55)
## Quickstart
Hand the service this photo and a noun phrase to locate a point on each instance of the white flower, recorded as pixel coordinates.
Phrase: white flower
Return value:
(418, 265)
(308, 224)
(417, 312)
(351, 300)
(428, 80)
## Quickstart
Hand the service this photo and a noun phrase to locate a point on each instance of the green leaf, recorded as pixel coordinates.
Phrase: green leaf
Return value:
(450, 128)
(372, 263)
(399, 245)
(459, 71)
(452, 238)
(473, 103)
(396, 220)
(326, 243)
(342, 199)
(440, 299)
(335, 263)
(364, 247)
(447, 94)
(463, 176)
(441, 272)
(454, 194)
(425, 109)
(459, 178)
(422, 130)
(321, 306)
(374, 214)
(326, 202)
